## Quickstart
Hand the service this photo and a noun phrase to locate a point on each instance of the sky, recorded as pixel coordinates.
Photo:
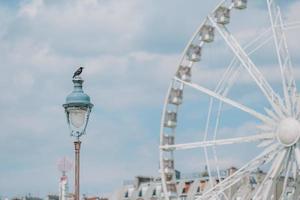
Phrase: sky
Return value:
(130, 50)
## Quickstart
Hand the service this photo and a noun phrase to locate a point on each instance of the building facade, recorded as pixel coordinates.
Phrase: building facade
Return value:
(192, 186)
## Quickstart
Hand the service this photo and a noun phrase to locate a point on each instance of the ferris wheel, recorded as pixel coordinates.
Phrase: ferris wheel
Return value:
(278, 130)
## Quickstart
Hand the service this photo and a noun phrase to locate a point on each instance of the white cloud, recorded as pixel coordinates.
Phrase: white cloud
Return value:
(31, 9)
(60, 25)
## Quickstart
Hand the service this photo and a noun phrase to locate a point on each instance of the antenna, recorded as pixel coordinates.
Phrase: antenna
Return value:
(64, 165)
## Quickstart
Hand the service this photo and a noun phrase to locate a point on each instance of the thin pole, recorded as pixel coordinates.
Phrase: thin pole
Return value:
(77, 144)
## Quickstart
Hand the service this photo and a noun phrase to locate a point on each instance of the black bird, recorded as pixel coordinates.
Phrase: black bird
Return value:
(78, 72)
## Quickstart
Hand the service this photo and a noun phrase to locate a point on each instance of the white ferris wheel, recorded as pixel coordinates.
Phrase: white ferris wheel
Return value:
(278, 131)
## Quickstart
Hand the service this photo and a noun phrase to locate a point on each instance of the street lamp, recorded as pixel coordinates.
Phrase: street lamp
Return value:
(78, 107)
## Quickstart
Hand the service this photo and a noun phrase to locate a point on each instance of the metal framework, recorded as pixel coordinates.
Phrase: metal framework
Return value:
(279, 131)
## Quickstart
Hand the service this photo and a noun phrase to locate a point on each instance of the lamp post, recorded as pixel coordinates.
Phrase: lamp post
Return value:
(78, 107)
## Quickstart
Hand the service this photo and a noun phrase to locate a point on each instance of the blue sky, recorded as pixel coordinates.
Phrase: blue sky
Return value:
(130, 50)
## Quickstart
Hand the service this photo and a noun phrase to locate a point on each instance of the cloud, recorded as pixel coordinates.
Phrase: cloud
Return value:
(92, 21)
(31, 9)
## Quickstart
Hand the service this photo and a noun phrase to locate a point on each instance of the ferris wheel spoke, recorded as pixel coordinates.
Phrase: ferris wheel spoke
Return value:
(254, 138)
(263, 158)
(263, 191)
(284, 60)
(272, 97)
(226, 100)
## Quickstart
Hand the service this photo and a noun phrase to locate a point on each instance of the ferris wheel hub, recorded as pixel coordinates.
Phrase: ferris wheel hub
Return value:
(288, 131)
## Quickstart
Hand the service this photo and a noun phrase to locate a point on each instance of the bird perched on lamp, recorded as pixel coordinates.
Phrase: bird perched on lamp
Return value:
(78, 72)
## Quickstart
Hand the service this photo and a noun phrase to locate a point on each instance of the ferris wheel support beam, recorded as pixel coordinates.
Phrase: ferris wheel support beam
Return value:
(297, 155)
(272, 97)
(264, 157)
(264, 190)
(288, 167)
(284, 59)
(226, 100)
(238, 140)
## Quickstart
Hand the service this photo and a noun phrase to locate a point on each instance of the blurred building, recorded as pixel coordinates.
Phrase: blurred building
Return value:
(29, 197)
(194, 185)
(52, 197)
(94, 198)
